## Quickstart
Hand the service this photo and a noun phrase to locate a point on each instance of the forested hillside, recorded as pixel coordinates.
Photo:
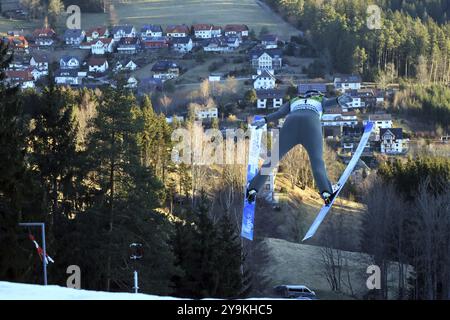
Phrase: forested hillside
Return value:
(405, 46)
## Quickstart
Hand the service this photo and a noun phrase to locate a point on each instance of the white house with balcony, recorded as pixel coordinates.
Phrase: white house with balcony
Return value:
(98, 65)
(266, 59)
(69, 62)
(336, 118)
(267, 99)
(391, 141)
(125, 31)
(347, 82)
(264, 81)
(102, 46)
(208, 113)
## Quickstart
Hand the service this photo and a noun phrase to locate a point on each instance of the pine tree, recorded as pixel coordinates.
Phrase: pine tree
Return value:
(53, 142)
(13, 263)
(232, 282)
(128, 195)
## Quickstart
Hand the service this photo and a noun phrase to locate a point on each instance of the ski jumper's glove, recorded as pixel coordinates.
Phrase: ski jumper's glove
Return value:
(259, 123)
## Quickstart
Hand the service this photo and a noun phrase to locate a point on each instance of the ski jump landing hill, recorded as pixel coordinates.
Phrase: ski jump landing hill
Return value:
(20, 291)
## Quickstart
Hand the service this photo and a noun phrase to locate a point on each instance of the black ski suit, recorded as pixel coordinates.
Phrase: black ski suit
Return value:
(302, 126)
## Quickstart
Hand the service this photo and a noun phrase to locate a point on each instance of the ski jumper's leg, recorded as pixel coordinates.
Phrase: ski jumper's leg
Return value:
(288, 138)
(312, 140)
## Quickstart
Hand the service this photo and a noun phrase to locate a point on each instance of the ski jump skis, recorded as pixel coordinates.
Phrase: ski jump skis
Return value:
(342, 180)
(248, 214)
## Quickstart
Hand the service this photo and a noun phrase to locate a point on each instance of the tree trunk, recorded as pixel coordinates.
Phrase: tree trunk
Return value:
(111, 213)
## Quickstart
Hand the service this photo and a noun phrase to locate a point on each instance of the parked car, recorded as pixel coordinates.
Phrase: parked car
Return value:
(294, 292)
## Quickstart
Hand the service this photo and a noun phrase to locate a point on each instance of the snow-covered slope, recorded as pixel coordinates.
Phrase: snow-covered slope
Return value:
(20, 291)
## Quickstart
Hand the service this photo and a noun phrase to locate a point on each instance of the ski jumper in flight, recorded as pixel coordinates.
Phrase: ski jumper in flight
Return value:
(302, 126)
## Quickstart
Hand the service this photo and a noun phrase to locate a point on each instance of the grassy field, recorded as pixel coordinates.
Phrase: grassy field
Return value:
(167, 12)
(300, 264)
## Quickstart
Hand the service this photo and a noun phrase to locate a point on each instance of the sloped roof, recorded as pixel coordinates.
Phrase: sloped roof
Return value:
(44, 32)
(397, 132)
(73, 33)
(258, 52)
(96, 61)
(270, 94)
(380, 117)
(125, 28)
(235, 28)
(152, 28)
(177, 29)
(348, 79)
(68, 58)
(201, 27)
(100, 30)
(22, 75)
(40, 57)
(305, 87)
(265, 74)
(180, 40)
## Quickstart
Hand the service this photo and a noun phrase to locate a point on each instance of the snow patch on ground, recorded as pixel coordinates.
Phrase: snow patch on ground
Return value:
(20, 291)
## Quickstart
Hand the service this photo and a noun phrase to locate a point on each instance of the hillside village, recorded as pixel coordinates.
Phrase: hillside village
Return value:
(98, 56)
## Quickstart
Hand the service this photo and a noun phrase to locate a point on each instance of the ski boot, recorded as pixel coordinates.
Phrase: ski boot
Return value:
(250, 195)
(327, 197)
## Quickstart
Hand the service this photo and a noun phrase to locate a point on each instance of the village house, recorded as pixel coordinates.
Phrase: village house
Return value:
(102, 46)
(381, 121)
(74, 37)
(336, 117)
(40, 61)
(232, 42)
(165, 70)
(17, 43)
(267, 99)
(171, 119)
(35, 73)
(20, 61)
(364, 98)
(22, 78)
(206, 31)
(151, 31)
(207, 113)
(155, 42)
(391, 141)
(69, 62)
(132, 83)
(98, 64)
(67, 77)
(223, 44)
(237, 30)
(202, 31)
(177, 31)
(308, 86)
(125, 31)
(129, 45)
(97, 33)
(266, 59)
(265, 80)
(44, 37)
(347, 82)
(216, 31)
(182, 44)
(269, 41)
(125, 65)
(379, 95)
